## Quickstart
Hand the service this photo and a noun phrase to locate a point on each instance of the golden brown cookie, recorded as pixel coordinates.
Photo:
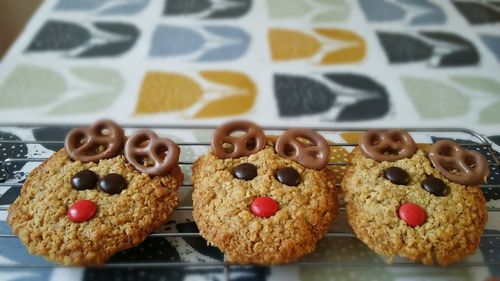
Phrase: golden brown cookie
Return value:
(256, 211)
(407, 207)
(76, 213)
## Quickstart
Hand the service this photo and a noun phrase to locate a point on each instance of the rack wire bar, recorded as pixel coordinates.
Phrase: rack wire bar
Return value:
(231, 267)
(197, 234)
(473, 141)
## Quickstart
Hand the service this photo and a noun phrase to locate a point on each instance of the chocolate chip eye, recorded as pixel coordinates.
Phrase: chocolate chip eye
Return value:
(112, 183)
(435, 186)
(245, 171)
(288, 176)
(397, 175)
(85, 179)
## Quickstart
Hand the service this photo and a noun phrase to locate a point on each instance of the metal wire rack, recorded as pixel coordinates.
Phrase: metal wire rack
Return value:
(194, 141)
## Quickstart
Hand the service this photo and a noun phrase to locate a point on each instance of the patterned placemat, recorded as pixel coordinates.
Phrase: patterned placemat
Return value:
(377, 62)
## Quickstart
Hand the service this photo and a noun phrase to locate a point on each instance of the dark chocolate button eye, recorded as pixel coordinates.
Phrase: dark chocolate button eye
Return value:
(245, 171)
(113, 183)
(85, 179)
(288, 176)
(435, 186)
(397, 175)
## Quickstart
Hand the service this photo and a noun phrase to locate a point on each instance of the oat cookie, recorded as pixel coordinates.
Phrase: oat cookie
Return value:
(266, 200)
(417, 201)
(89, 200)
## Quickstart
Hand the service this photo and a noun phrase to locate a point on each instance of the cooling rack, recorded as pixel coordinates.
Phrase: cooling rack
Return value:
(24, 147)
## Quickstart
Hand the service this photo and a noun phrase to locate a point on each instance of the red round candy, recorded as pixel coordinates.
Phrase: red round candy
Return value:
(264, 207)
(412, 214)
(82, 210)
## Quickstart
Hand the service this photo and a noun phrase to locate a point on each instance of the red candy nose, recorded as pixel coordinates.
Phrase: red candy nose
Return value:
(264, 207)
(412, 214)
(82, 210)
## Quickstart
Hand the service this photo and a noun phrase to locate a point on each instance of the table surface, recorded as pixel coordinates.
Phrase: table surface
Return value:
(14, 15)
(321, 63)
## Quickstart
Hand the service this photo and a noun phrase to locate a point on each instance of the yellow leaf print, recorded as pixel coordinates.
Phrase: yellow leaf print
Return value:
(238, 99)
(351, 137)
(226, 107)
(289, 44)
(164, 92)
(353, 53)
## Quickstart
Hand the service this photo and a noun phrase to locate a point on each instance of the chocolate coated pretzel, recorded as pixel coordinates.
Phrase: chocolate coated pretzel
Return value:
(93, 144)
(387, 146)
(251, 142)
(315, 156)
(162, 151)
(459, 165)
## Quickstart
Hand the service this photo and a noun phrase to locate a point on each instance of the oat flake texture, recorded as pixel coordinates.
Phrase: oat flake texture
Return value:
(38, 216)
(222, 208)
(454, 223)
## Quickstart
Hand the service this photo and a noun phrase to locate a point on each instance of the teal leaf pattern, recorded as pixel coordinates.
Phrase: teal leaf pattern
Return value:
(482, 84)
(329, 16)
(317, 11)
(104, 86)
(434, 99)
(31, 86)
(101, 76)
(83, 104)
(283, 9)
(490, 114)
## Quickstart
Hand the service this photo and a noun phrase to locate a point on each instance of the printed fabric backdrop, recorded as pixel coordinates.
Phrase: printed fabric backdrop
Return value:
(337, 63)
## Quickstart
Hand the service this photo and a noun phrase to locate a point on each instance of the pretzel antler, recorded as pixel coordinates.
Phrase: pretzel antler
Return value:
(102, 140)
(251, 142)
(459, 165)
(314, 157)
(163, 152)
(387, 146)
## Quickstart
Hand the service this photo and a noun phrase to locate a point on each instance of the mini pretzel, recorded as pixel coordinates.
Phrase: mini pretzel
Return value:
(162, 151)
(251, 142)
(459, 165)
(387, 146)
(85, 144)
(313, 157)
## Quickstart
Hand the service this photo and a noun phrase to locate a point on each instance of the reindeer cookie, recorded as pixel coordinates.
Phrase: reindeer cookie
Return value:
(417, 201)
(99, 195)
(264, 200)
